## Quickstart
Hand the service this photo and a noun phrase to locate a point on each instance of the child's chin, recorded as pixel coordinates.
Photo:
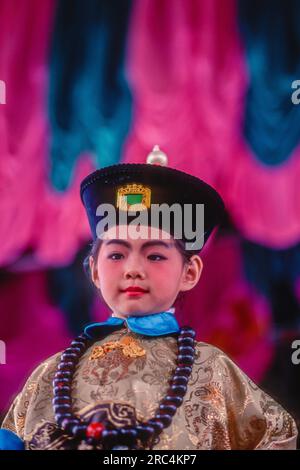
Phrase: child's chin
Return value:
(135, 313)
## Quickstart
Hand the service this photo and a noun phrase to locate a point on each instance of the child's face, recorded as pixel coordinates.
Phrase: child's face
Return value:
(153, 263)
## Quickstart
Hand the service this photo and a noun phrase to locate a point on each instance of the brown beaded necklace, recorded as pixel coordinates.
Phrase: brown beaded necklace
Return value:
(142, 435)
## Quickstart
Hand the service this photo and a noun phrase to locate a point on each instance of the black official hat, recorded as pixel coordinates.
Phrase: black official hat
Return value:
(135, 189)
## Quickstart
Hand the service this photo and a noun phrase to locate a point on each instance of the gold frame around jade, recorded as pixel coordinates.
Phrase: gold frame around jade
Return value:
(133, 188)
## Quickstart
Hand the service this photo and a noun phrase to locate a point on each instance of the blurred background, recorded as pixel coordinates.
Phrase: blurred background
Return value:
(86, 84)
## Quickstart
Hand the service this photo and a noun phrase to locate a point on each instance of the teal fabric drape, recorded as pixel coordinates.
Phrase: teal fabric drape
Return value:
(275, 273)
(89, 97)
(271, 36)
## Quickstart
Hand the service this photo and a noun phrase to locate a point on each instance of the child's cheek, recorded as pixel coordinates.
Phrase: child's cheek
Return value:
(158, 277)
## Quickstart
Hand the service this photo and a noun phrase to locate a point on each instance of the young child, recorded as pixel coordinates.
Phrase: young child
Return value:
(138, 380)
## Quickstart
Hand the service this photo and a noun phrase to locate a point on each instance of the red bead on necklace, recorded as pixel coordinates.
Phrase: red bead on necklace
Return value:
(95, 430)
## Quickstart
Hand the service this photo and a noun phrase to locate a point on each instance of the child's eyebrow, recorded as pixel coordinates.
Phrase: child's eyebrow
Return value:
(145, 245)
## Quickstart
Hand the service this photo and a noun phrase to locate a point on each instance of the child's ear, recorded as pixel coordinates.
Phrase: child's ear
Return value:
(94, 272)
(192, 273)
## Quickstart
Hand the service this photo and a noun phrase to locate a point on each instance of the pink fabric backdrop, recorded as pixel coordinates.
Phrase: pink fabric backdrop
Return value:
(189, 78)
(31, 327)
(31, 212)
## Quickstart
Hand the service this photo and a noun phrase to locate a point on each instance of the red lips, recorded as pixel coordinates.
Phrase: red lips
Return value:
(134, 289)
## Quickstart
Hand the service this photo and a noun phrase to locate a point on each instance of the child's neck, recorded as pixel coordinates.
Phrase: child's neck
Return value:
(124, 317)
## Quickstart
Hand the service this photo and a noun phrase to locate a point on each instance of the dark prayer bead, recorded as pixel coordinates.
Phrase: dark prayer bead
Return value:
(63, 374)
(167, 409)
(79, 430)
(186, 350)
(61, 400)
(77, 350)
(64, 408)
(69, 350)
(185, 359)
(66, 365)
(109, 437)
(78, 344)
(127, 436)
(165, 419)
(179, 390)
(173, 399)
(183, 370)
(84, 337)
(70, 356)
(59, 417)
(186, 341)
(62, 389)
(187, 331)
(144, 431)
(179, 380)
(68, 423)
(63, 381)
(157, 425)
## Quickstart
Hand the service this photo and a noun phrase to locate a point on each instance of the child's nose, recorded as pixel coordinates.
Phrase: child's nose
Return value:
(134, 267)
(132, 273)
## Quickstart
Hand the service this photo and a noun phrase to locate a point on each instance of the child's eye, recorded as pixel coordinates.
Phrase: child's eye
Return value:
(115, 256)
(156, 256)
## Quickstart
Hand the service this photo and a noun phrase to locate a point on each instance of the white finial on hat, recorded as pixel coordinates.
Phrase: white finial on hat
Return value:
(157, 157)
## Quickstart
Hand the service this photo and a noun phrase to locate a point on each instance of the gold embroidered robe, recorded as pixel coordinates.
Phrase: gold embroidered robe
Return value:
(222, 409)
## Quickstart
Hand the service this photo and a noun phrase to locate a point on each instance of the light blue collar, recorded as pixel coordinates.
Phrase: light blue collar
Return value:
(156, 324)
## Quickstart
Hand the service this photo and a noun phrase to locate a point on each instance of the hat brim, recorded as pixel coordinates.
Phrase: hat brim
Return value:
(168, 185)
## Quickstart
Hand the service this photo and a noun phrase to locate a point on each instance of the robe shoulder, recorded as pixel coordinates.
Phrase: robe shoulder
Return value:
(250, 411)
(16, 415)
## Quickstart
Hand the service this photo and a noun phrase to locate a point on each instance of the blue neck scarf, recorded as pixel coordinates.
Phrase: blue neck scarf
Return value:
(156, 324)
